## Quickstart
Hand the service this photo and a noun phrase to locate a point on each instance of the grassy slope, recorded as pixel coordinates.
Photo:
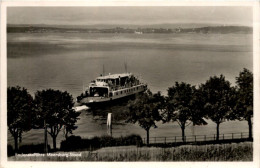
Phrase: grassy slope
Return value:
(223, 152)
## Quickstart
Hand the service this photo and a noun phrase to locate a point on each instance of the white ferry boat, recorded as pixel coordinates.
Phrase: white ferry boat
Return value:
(110, 88)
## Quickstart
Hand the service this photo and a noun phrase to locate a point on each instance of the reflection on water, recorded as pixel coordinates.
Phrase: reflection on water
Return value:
(69, 61)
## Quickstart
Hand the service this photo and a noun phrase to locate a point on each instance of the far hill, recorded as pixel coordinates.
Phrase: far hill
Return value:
(126, 29)
(219, 29)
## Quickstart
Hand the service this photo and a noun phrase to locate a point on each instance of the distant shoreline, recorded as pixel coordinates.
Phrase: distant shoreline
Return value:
(143, 30)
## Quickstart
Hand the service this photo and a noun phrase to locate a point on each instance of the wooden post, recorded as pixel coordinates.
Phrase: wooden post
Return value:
(45, 138)
(109, 123)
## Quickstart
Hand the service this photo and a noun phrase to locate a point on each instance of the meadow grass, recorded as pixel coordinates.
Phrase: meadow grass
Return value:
(216, 152)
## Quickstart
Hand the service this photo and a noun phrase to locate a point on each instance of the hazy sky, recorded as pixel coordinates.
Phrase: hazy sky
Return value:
(129, 15)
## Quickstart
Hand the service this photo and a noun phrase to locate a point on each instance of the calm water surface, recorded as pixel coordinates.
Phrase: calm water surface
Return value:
(69, 61)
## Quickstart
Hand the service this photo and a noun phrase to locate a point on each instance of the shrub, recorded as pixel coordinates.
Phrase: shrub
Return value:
(74, 143)
(32, 148)
(10, 150)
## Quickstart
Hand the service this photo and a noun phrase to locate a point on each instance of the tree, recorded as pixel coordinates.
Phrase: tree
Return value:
(19, 112)
(71, 118)
(183, 105)
(145, 110)
(218, 96)
(54, 109)
(244, 103)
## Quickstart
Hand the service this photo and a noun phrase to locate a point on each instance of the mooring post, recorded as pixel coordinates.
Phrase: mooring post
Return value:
(109, 124)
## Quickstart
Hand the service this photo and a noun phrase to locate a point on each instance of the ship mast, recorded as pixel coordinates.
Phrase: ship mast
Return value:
(125, 65)
(103, 70)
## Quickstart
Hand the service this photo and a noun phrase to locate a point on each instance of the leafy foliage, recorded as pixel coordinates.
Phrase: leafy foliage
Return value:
(244, 103)
(55, 107)
(219, 99)
(19, 112)
(244, 106)
(183, 105)
(145, 110)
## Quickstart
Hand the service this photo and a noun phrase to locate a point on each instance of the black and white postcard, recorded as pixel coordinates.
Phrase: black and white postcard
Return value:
(122, 84)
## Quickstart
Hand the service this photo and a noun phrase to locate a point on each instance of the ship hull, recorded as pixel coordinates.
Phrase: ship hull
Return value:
(113, 102)
(99, 103)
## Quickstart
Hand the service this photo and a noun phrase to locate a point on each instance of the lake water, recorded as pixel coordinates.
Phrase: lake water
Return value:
(69, 61)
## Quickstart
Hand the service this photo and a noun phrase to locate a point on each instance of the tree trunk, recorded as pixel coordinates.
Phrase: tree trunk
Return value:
(66, 134)
(54, 142)
(183, 133)
(45, 138)
(217, 138)
(147, 137)
(250, 128)
(15, 144)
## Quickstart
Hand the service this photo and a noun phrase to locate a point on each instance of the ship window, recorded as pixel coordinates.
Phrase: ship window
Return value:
(98, 92)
